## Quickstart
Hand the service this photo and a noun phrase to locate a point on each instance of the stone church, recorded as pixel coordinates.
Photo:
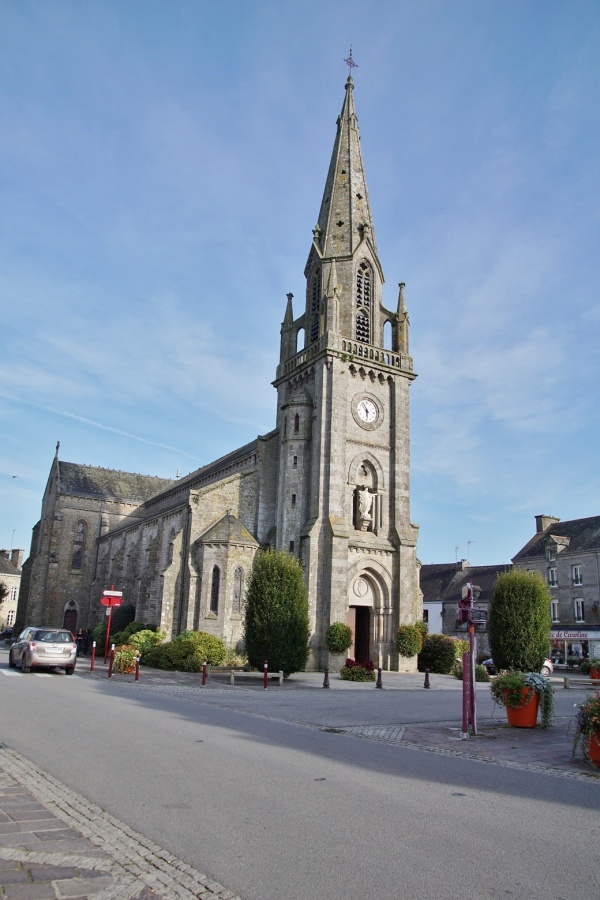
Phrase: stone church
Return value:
(330, 483)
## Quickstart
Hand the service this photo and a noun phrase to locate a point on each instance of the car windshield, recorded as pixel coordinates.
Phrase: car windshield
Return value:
(54, 637)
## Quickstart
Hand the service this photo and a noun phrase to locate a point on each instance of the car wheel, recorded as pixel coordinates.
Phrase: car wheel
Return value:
(69, 670)
(11, 663)
(24, 667)
(546, 671)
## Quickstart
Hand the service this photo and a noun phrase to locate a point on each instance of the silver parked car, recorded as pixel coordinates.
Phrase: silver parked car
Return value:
(44, 648)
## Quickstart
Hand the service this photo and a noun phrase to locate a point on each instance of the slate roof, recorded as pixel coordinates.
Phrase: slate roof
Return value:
(228, 530)
(90, 481)
(7, 567)
(445, 581)
(583, 534)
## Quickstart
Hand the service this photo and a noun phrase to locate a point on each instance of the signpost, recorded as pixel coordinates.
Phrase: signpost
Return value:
(109, 599)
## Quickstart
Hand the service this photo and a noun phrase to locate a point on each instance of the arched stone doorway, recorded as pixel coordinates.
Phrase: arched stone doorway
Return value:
(370, 618)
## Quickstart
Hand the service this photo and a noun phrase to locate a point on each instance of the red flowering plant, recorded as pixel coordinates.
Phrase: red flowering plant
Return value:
(358, 671)
(586, 724)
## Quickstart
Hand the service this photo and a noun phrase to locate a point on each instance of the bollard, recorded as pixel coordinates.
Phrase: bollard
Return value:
(326, 679)
(93, 656)
(111, 661)
(426, 685)
(203, 674)
(137, 668)
(266, 674)
(379, 681)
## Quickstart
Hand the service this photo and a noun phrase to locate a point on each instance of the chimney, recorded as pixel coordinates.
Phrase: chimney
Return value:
(543, 522)
(16, 558)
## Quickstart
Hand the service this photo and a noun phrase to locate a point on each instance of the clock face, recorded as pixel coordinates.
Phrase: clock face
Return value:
(367, 411)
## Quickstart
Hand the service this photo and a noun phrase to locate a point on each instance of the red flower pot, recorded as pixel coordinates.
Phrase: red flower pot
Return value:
(526, 715)
(595, 675)
(594, 749)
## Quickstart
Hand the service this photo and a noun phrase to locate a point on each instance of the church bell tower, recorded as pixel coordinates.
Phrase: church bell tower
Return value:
(343, 493)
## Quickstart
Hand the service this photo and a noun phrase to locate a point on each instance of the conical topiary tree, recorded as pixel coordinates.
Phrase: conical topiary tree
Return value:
(519, 621)
(276, 628)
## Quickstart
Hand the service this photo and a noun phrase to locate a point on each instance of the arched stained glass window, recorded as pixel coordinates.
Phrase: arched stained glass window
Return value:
(78, 546)
(214, 590)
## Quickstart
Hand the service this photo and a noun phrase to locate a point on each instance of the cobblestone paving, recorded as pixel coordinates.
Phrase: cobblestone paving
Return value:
(56, 844)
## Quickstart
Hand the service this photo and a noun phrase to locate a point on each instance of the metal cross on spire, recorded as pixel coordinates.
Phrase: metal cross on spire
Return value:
(350, 63)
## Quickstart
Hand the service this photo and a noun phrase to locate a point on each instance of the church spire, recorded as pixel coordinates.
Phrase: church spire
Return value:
(345, 215)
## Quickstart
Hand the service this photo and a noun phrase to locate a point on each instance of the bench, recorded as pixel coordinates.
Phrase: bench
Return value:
(241, 673)
(580, 682)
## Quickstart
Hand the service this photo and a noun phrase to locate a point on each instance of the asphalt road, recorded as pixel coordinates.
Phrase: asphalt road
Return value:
(249, 788)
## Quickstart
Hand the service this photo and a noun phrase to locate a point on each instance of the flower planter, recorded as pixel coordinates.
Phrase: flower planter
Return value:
(595, 675)
(526, 714)
(594, 749)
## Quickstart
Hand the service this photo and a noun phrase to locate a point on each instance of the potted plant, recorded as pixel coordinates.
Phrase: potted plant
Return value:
(591, 667)
(522, 693)
(587, 729)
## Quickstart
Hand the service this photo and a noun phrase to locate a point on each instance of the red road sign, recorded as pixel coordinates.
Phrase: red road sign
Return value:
(111, 598)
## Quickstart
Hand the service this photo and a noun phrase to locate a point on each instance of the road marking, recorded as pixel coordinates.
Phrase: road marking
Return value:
(11, 672)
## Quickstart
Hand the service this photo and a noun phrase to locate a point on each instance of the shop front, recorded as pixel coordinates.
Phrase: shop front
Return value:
(577, 643)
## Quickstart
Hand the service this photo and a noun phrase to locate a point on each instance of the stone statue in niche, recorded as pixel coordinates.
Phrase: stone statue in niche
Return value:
(365, 501)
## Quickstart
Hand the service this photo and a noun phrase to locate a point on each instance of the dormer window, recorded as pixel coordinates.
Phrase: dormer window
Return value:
(551, 553)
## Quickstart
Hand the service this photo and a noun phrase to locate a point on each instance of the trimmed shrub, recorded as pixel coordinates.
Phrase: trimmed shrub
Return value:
(519, 621)
(481, 673)
(122, 637)
(338, 637)
(145, 641)
(423, 628)
(187, 652)
(409, 640)
(437, 654)
(276, 627)
(461, 646)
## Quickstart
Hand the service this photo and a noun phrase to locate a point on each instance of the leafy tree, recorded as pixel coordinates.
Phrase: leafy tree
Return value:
(519, 621)
(3, 592)
(276, 628)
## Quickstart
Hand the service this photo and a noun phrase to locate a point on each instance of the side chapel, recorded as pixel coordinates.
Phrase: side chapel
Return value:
(329, 484)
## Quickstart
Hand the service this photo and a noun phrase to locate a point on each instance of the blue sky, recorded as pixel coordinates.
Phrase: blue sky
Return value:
(161, 170)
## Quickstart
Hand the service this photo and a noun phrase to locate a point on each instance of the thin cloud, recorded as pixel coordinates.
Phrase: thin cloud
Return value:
(127, 434)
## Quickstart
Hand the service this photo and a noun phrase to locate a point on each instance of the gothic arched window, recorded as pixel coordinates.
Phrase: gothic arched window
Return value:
(296, 423)
(363, 302)
(78, 546)
(238, 584)
(214, 590)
